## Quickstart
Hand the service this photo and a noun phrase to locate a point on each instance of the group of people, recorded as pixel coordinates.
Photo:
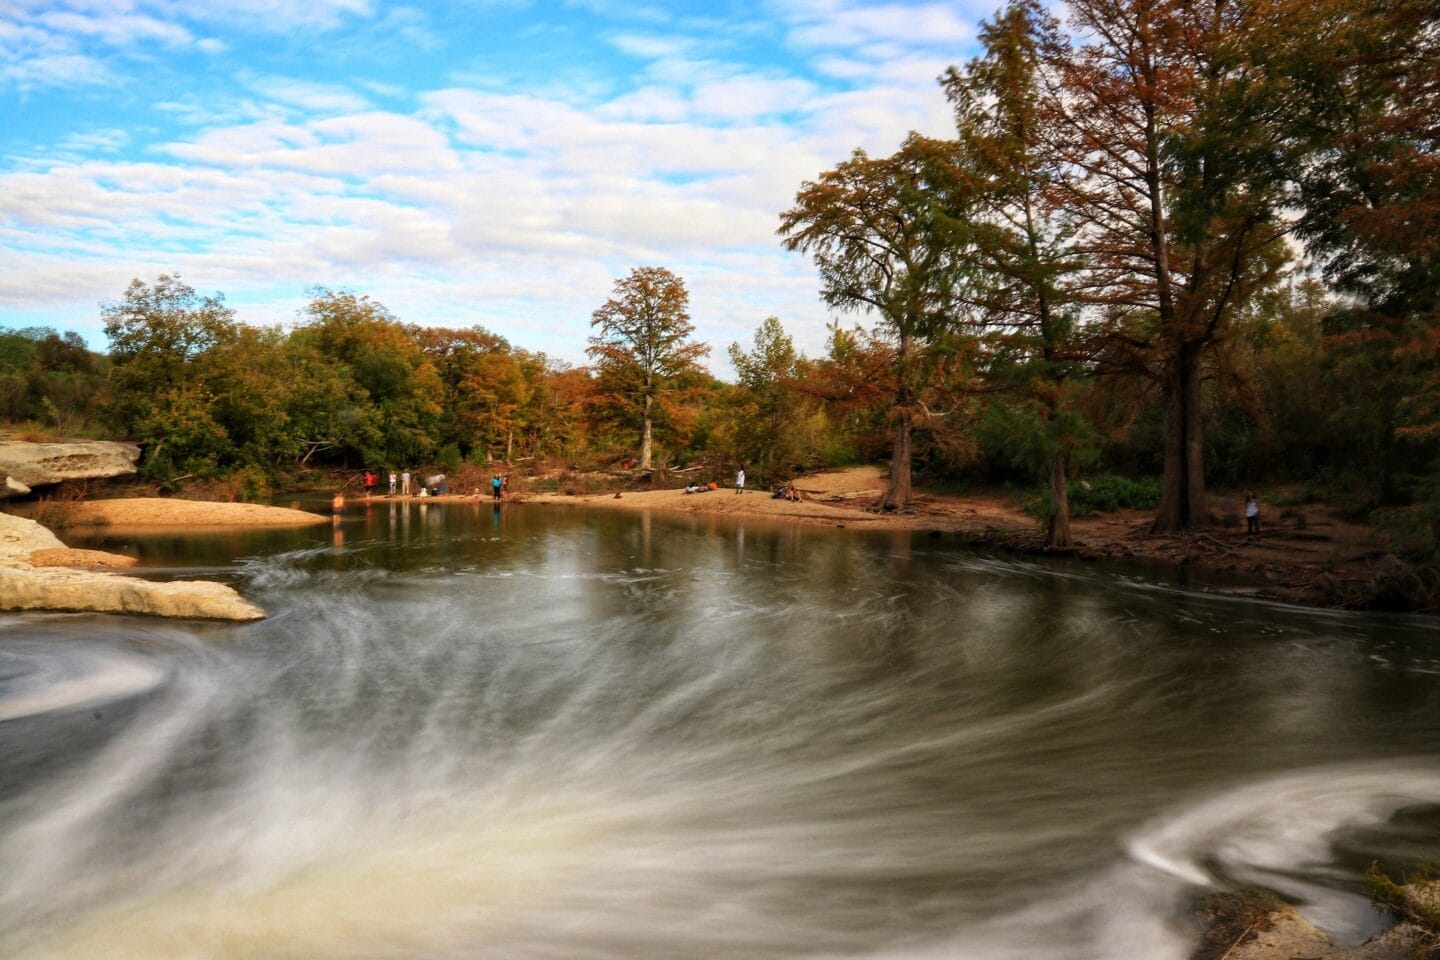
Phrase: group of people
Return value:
(434, 486)
(401, 483)
(786, 491)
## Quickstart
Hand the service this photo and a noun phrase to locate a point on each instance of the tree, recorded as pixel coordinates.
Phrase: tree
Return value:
(1371, 213)
(1175, 168)
(394, 416)
(253, 384)
(485, 387)
(873, 228)
(643, 348)
(1024, 263)
(156, 333)
(770, 422)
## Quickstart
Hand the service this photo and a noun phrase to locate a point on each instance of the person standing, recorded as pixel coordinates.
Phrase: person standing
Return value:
(392, 483)
(740, 480)
(1252, 514)
(505, 487)
(370, 481)
(495, 484)
(405, 483)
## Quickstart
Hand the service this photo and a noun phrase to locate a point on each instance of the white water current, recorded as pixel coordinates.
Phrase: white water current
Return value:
(468, 734)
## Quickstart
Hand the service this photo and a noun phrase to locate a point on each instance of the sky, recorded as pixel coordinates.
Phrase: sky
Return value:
(491, 162)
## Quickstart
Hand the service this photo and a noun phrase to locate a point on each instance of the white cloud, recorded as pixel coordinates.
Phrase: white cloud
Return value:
(747, 97)
(117, 29)
(266, 16)
(95, 141)
(54, 70)
(308, 95)
(651, 47)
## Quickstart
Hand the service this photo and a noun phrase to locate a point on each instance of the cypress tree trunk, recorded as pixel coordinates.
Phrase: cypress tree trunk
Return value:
(1058, 534)
(898, 491)
(1183, 503)
(645, 437)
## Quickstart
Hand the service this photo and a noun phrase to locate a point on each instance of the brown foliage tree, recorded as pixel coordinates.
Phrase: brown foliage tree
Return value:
(872, 225)
(1170, 143)
(643, 346)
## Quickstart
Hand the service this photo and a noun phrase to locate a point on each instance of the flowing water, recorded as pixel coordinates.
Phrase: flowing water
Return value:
(542, 733)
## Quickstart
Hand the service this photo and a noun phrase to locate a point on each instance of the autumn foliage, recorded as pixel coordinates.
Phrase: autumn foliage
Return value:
(1195, 244)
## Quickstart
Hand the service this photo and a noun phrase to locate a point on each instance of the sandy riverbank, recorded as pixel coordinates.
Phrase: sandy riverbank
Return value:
(166, 512)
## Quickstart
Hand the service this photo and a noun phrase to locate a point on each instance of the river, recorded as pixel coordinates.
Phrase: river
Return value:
(548, 733)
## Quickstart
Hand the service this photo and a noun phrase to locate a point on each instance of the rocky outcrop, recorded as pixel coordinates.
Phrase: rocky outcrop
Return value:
(24, 586)
(28, 465)
(1257, 925)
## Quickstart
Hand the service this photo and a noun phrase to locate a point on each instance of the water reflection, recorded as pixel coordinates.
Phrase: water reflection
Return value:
(506, 731)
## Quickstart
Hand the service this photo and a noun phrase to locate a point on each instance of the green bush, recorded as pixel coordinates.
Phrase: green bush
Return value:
(252, 484)
(1110, 493)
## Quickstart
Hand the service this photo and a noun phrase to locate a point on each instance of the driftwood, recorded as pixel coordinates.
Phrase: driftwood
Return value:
(1219, 545)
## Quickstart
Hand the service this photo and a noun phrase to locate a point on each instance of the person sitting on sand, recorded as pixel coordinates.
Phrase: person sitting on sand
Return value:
(791, 493)
(692, 488)
(779, 493)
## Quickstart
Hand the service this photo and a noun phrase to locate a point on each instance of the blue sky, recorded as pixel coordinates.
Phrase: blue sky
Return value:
(499, 163)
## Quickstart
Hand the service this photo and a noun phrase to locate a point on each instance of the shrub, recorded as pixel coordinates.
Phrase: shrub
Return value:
(1110, 493)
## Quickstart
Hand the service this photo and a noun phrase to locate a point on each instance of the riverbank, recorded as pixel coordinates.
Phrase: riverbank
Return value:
(1309, 556)
(1313, 558)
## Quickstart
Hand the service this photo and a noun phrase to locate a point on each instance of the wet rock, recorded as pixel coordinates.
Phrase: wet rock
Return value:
(28, 465)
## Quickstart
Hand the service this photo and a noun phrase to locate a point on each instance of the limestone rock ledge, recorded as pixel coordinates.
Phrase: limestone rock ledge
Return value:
(25, 465)
(23, 586)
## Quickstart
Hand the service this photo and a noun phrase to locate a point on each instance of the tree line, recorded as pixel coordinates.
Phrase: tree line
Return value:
(1185, 242)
